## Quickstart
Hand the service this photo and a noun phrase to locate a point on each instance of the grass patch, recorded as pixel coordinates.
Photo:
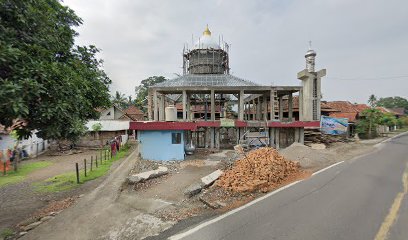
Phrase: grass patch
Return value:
(68, 181)
(6, 233)
(24, 169)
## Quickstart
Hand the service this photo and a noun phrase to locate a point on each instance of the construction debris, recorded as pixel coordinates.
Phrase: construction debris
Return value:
(210, 178)
(140, 177)
(315, 136)
(261, 169)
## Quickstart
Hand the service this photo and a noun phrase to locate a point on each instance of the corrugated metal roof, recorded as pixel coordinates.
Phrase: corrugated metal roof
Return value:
(190, 80)
(109, 125)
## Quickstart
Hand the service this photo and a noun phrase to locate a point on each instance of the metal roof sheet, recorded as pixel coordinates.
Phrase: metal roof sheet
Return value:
(191, 80)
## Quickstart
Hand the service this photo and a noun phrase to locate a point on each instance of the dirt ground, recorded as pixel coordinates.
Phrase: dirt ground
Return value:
(19, 201)
(116, 210)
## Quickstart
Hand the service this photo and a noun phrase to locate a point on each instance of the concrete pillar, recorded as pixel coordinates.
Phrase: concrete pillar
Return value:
(277, 138)
(281, 108)
(149, 105)
(212, 105)
(258, 109)
(161, 107)
(241, 105)
(301, 105)
(217, 138)
(290, 107)
(271, 105)
(189, 117)
(253, 109)
(184, 105)
(207, 137)
(265, 108)
(297, 131)
(272, 137)
(302, 135)
(212, 140)
(155, 112)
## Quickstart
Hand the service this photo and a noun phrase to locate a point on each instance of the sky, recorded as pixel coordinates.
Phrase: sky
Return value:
(362, 44)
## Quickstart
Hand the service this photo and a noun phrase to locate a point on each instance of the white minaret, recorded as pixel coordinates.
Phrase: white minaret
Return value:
(310, 58)
(310, 95)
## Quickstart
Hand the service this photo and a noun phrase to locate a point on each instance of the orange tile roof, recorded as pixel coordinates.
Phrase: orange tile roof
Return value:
(133, 110)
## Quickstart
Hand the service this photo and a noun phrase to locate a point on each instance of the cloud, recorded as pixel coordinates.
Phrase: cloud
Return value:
(353, 40)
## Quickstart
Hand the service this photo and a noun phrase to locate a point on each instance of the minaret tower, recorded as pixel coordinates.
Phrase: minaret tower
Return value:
(310, 96)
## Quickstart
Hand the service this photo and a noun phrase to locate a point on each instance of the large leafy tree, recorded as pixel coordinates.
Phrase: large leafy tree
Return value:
(46, 82)
(393, 102)
(142, 90)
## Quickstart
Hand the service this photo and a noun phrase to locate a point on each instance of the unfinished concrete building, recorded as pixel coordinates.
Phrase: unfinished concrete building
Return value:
(232, 110)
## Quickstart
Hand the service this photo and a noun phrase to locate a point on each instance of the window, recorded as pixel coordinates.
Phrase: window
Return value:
(176, 138)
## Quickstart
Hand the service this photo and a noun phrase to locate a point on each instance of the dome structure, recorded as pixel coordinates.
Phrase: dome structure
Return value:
(206, 41)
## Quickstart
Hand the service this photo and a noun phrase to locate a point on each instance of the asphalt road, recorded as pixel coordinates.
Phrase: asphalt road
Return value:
(365, 198)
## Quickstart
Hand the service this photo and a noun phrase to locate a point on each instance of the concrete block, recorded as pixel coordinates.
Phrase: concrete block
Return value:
(318, 146)
(31, 226)
(193, 189)
(140, 177)
(209, 179)
(46, 218)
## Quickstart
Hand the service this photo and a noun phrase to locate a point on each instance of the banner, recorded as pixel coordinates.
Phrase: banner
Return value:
(333, 126)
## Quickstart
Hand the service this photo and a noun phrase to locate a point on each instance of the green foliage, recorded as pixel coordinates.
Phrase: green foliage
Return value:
(142, 90)
(372, 100)
(119, 100)
(13, 177)
(6, 233)
(388, 119)
(67, 181)
(367, 125)
(393, 102)
(47, 81)
(97, 127)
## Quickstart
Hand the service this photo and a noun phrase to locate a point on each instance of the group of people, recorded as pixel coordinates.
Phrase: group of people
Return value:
(7, 156)
(115, 144)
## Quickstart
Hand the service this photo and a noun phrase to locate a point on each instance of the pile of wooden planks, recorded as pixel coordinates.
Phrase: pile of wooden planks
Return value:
(315, 136)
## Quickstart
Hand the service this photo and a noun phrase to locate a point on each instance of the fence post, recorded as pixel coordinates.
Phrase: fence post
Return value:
(96, 160)
(4, 168)
(91, 162)
(101, 156)
(85, 166)
(77, 172)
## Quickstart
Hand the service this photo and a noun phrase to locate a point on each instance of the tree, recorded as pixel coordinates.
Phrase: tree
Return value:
(393, 102)
(367, 125)
(119, 100)
(47, 83)
(372, 100)
(141, 90)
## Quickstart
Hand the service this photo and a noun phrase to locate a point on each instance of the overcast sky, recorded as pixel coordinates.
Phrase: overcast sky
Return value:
(362, 44)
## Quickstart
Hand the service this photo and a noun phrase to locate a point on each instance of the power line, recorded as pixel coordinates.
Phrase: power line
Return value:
(369, 78)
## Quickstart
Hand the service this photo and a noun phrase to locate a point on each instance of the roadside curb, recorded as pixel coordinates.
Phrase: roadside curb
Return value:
(389, 139)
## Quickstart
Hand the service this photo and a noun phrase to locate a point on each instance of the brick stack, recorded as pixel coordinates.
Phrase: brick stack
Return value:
(260, 169)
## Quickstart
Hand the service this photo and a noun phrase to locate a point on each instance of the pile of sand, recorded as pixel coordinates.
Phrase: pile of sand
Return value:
(261, 169)
(306, 156)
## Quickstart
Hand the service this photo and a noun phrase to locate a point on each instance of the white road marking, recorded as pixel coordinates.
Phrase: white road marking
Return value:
(324, 169)
(195, 229)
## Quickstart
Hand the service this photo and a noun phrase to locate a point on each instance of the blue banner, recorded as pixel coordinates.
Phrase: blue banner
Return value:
(333, 126)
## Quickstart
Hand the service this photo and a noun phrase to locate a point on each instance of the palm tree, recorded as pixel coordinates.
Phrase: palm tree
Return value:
(119, 99)
(372, 100)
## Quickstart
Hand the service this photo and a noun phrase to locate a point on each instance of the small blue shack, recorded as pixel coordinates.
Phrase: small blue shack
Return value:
(161, 145)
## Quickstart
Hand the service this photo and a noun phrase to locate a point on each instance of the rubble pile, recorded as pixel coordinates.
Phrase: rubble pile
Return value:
(260, 169)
